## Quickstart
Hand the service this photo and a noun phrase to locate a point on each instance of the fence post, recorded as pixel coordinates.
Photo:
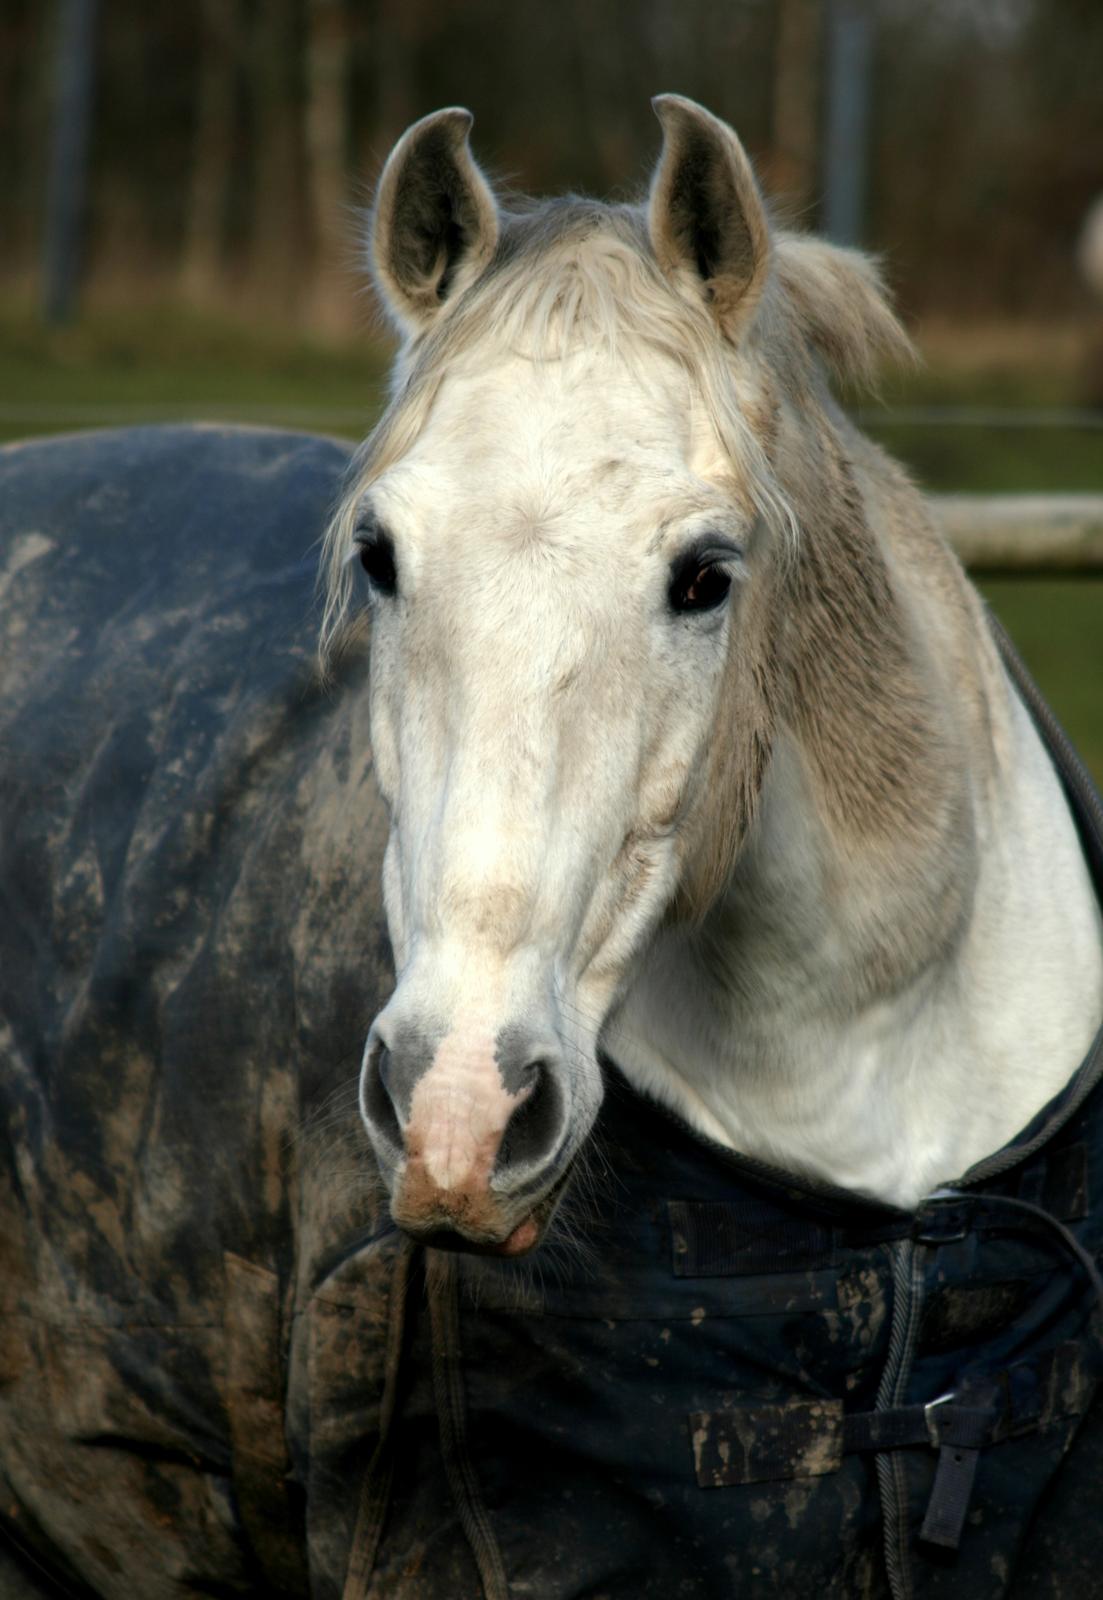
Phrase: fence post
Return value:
(1028, 535)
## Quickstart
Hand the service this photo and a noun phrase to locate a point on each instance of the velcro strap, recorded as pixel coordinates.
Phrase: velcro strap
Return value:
(725, 1239)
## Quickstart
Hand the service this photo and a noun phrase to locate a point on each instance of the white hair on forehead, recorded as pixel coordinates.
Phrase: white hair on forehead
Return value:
(574, 272)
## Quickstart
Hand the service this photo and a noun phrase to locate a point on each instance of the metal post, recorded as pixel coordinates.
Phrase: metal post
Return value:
(71, 117)
(849, 64)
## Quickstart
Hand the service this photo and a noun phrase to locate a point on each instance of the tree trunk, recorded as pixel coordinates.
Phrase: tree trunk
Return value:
(327, 75)
(603, 77)
(277, 220)
(797, 101)
(396, 34)
(67, 183)
(212, 164)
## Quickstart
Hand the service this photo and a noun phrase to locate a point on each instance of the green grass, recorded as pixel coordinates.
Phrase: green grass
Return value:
(990, 370)
(980, 459)
(1057, 624)
(153, 365)
(158, 363)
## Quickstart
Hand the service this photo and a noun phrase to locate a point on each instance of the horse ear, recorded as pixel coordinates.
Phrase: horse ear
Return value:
(434, 223)
(706, 219)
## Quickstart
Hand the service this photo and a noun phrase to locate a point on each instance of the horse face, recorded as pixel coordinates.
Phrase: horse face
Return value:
(551, 562)
(551, 568)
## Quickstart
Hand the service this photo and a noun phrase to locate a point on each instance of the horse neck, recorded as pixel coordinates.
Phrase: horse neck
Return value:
(895, 975)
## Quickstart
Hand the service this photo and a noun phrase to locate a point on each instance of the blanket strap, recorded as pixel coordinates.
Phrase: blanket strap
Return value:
(440, 1287)
(376, 1493)
(958, 1432)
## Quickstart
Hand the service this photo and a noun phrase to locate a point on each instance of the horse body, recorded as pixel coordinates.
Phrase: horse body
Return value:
(192, 950)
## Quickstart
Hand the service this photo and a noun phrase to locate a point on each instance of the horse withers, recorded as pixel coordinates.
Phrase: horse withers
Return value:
(739, 1047)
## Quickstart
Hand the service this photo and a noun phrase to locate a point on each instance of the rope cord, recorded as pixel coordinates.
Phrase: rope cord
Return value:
(1067, 1237)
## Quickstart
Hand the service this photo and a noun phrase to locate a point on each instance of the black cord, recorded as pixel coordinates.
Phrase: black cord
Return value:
(1067, 1237)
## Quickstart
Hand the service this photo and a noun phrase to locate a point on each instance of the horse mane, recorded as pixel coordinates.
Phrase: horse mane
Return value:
(570, 271)
(838, 305)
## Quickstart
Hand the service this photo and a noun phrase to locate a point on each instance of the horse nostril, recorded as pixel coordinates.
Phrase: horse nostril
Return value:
(383, 1064)
(533, 1130)
(379, 1107)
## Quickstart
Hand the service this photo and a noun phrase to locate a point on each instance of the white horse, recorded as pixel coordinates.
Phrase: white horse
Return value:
(698, 748)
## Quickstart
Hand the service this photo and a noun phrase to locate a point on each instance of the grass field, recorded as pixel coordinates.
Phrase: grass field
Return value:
(159, 365)
(152, 364)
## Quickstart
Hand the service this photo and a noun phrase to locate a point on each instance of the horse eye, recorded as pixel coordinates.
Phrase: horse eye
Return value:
(699, 586)
(377, 559)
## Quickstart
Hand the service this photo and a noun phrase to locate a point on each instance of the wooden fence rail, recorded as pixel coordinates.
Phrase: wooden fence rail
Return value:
(1025, 534)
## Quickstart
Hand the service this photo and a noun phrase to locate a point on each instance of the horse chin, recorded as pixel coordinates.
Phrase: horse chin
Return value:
(521, 1242)
(522, 1239)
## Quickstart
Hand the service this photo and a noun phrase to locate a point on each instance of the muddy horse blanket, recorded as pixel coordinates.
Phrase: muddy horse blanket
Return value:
(221, 1373)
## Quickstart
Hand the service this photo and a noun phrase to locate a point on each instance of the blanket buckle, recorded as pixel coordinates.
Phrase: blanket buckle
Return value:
(929, 1417)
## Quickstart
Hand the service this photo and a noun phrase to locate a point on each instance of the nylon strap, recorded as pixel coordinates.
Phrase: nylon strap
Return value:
(958, 1432)
(949, 1502)
(968, 1427)
(376, 1493)
(440, 1286)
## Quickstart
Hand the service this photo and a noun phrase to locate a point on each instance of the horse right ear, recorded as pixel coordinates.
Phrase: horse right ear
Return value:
(706, 217)
(434, 225)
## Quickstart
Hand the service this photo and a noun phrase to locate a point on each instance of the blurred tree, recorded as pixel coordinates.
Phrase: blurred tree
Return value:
(220, 50)
(327, 142)
(142, 145)
(399, 31)
(846, 133)
(798, 69)
(71, 110)
(608, 49)
(1062, 115)
(23, 64)
(275, 86)
(230, 135)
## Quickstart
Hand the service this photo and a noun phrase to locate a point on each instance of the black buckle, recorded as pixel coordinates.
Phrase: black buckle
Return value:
(930, 1419)
(943, 1222)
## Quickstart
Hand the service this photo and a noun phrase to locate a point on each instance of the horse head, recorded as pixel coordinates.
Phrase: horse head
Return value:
(567, 527)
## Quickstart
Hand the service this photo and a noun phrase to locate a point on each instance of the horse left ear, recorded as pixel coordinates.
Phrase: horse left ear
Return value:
(706, 218)
(434, 225)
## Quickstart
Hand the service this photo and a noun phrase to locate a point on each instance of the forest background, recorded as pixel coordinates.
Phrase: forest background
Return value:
(231, 146)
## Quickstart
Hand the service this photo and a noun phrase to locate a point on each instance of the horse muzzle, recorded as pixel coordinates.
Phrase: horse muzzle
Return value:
(475, 1155)
(493, 1229)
